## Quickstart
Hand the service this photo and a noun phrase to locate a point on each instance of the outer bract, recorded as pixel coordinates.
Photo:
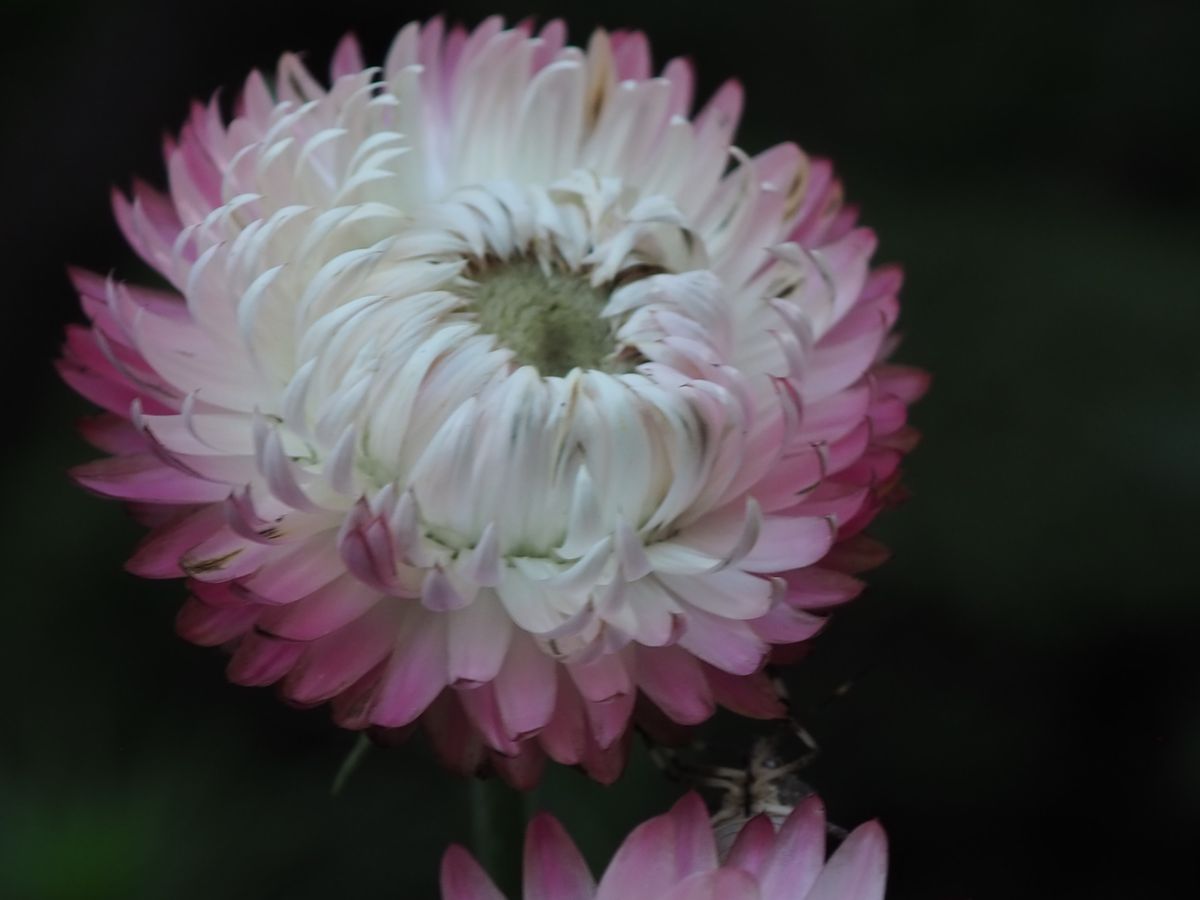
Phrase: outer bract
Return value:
(494, 388)
(675, 856)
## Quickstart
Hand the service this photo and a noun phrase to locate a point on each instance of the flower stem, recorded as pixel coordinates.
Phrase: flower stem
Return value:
(362, 745)
(497, 831)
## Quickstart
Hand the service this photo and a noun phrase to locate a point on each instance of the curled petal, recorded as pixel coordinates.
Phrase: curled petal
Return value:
(494, 386)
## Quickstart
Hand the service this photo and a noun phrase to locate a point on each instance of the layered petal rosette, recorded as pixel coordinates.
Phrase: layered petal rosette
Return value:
(493, 388)
(674, 857)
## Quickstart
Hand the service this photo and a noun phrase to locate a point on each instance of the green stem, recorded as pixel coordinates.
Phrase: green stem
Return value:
(498, 831)
(362, 744)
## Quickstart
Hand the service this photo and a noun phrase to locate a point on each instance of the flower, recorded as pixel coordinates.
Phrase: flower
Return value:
(484, 395)
(674, 857)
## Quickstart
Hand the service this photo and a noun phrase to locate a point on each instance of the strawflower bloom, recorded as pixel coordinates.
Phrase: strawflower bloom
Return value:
(493, 389)
(674, 857)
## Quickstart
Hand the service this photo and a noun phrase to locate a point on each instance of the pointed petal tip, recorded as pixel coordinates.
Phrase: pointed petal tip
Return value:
(462, 878)
(554, 867)
(690, 807)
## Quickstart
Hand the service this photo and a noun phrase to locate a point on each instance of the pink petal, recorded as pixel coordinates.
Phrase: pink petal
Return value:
(565, 737)
(335, 662)
(602, 679)
(859, 554)
(114, 396)
(605, 765)
(728, 644)
(695, 847)
(644, 864)
(463, 879)
(149, 224)
(789, 543)
(796, 473)
(347, 59)
(112, 434)
(609, 719)
(784, 625)
(905, 382)
(210, 626)
(682, 78)
(673, 680)
(367, 547)
(523, 770)
(145, 477)
(631, 55)
(858, 868)
(554, 867)
(160, 552)
(220, 593)
(816, 196)
(753, 695)
(752, 847)
(730, 593)
(299, 571)
(723, 884)
(724, 109)
(416, 673)
(798, 855)
(438, 594)
(525, 688)
(477, 639)
(323, 611)
(817, 588)
(479, 704)
(224, 557)
(887, 416)
(351, 708)
(839, 499)
(260, 660)
(553, 37)
(452, 736)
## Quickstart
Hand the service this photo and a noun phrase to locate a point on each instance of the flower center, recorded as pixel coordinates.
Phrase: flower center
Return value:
(550, 319)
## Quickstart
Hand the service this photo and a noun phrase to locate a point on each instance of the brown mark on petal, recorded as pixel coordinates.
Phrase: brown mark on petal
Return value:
(702, 436)
(796, 190)
(601, 76)
(200, 566)
(638, 271)
(821, 449)
(741, 168)
(678, 627)
(266, 633)
(837, 197)
(271, 533)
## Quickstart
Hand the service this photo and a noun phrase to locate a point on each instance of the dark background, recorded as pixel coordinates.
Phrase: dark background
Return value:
(1025, 715)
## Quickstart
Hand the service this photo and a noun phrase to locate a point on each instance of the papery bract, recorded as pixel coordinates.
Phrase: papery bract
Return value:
(675, 856)
(494, 387)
